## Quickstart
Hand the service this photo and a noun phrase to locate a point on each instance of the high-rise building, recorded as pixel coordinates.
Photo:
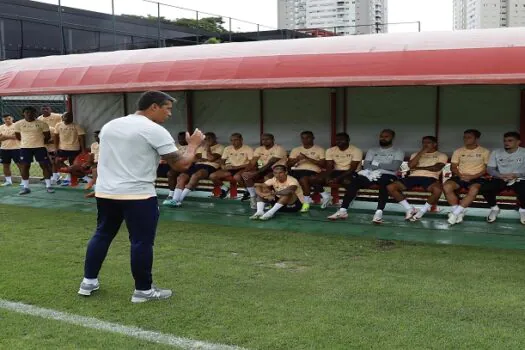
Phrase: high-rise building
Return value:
(342, 17)
(479, 14)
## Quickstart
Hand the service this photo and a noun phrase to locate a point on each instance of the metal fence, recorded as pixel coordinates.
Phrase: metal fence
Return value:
(13, 105)
(33, 29)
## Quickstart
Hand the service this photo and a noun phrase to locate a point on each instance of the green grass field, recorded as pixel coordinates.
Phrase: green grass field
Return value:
(261, 289)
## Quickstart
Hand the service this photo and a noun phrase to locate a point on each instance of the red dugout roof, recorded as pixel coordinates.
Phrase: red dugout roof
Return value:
(490, 56)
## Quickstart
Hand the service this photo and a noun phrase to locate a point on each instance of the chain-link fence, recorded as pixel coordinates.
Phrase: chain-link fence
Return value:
(13, 105)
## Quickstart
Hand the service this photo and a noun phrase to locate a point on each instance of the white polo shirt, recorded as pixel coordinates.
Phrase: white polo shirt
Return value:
(129, 154)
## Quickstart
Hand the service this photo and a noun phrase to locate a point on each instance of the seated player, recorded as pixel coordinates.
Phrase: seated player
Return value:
(468, 166)
(425, 168)
(207, 161)
(9, 148)
(306, 163)
(341, 163)
(33, 136)
(264, 158)
(235, 160)
(92, 164)
(507, 168)
(282, 191)
(69, 139)
(380, 167)
(164, 170)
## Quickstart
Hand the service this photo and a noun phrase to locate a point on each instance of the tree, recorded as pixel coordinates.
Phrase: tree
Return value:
(213, 41)
(209, 24)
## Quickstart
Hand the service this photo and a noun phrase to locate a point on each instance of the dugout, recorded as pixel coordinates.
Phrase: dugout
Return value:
(429, 83)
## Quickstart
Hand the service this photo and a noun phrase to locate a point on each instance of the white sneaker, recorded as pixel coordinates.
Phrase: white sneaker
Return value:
(419, 214)
(86, 289)
(378, 217)
(493, 215)
(325, 202)
(522, 217)
(339, 215)
(410, 213)
(253, 202)
(140, 296)
(256, 216)
(6, 184)
(452, 219)
(266, 217)
(460, 217)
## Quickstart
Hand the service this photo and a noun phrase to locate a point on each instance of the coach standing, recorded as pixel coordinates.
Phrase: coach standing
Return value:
(130, 150)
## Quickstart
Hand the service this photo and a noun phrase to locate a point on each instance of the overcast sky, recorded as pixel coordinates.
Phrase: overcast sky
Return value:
(433, 14)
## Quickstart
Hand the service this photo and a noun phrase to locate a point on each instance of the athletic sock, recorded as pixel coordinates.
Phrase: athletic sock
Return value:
(454, 207)
(307, 199)
(90, 280)
(48, 182)
(224, 188)
(176, 194)
(86, 178)
(8, 180)
(425, 208)
(458, 210)
(251, 191)
(25, 183)
(55, 176)
(325, 195)
(343, 210)
(494, 208)
(184, 193)
(405, 204)
(274, 209)
(260, 207)
(522, 210)
(170, 195)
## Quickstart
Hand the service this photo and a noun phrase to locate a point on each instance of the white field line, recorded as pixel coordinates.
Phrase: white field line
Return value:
(93, 323)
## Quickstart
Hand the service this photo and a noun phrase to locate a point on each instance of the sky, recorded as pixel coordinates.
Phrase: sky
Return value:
(435, 15)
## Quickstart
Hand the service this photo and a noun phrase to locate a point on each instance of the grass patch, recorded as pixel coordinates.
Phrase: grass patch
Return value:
(264, 289)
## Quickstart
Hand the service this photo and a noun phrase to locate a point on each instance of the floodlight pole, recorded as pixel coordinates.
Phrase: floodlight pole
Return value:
(114, 25)
(61, 26)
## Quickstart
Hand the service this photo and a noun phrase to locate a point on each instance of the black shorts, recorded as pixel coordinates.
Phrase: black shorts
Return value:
(162, 170)
(466, 184)
(38, 154)
(290, 208)
(67, 154)
(198, 167)
(299, 174)
(418, 181)
(9, 155)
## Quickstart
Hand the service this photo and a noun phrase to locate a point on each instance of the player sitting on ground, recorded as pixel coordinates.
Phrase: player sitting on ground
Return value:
(380, 167)
(507, 168)
(264, 158)
(207, 161)
(341, 163)
(69, 141)
(425, 168)
(51, 119)
(92, 164)
(235, 160)
(164, 170)
(282, 191)
(9, 148)
(306, 163)
(33, 136)
(468, 166)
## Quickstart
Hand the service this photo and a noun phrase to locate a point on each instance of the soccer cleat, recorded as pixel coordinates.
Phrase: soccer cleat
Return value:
(253, 202)
(460, 217)
(493, 215)
(245, 196)
(223, 194)
(411, 213)
(140, 296)
(452, 219)
(305, 208)
(6, 184)
(378, 217)
(339, 215)
(522, 218)
(65, 183)
(266, 217)
(86, 289)
(256, 216)
(24, 191)
(50, 190)
(171, 203)
(419, 214)
(325, 202)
